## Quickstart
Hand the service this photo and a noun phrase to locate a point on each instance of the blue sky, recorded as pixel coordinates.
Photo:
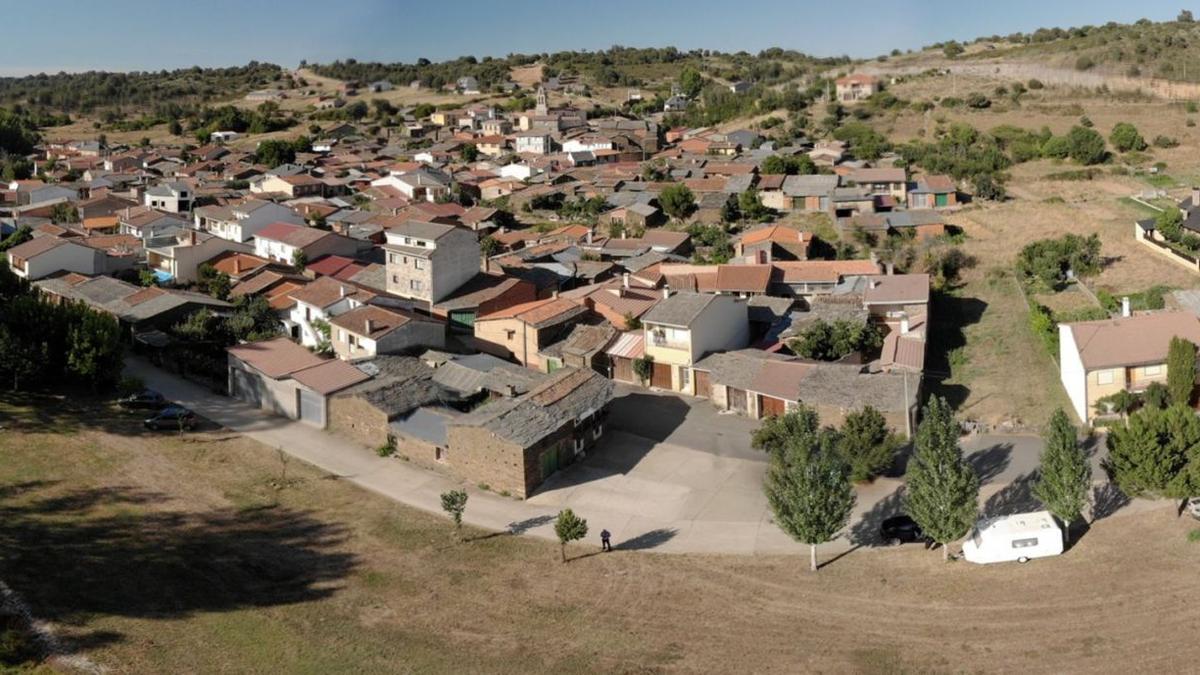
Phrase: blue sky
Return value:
(145, 35)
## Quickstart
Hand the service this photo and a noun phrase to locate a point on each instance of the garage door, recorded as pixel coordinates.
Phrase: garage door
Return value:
(312, 408)
(245, 388)
(660, 376)
(623, 369)
(771, 406)
(703, 384)
(737, 399)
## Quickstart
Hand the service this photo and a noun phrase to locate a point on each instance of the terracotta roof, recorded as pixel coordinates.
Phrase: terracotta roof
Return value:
(776, 233)
(897, 288)
(631, 345)
(326, 290)
(330, 376)
(382, 321)
(280, 297)
(276, 357)
(799, 271)
(1133, 340)
(293, 235)
(35, 247)
(539, 313)
(781, 379)
(236, 263)
(747, 278)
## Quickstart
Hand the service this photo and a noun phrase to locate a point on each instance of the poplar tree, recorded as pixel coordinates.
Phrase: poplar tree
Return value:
(942, 492)
(1066, 476)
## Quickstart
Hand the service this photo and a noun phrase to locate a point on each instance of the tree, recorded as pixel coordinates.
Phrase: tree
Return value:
(809, 495)
(775, 433)
(64, 212)
(454, 503)
(469, 153)
(865, 444)
(95, 349)
(175, 128)
(952, 49)
(20, 358)
(751, 206)
(300, 259)
(1066, 476)
(252, 320)
(488, 246)
(274, 153)
(987, 187)
(1148, 454)
(1169, 223)
(569, 527)
(942, 491)
(643, 367)
(19, 236)
(691, 82)
(1157, 396)
(1086, 146)
(1125, 137)
(1181, 371)
(825, 341)
(677, 201)
(1185, 16)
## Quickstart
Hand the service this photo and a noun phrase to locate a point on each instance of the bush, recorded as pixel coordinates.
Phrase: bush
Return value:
(130, 385)
(1084, 63)
(1041, 322)
(1194, 536)
(1047, 261)
(1164, 142)
(386, 450)
(1125, 137)
(1086, 146)
(1035, 84)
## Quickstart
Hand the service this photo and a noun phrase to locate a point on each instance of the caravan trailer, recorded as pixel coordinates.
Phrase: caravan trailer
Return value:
(1020, 537)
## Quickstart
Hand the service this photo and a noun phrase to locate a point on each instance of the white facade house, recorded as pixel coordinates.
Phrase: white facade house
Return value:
(587, 144)
(519, 171)
(174, 197)
(223, 136)
(322, 300)
(1071, 371)
(535, 143)
(416, 185)
(178, 257)
(42, 256)
(241, 222)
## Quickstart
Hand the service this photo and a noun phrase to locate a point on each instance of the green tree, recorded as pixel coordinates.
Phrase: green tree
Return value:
(175, 128)
(691, 82)
(1181, 371)
(1125, 137)
(1066, 476)
(810, 495)
(1147, 455)
(454, 503)
(1169, 223)
(469, 153)
(300, 259)
(252, 320)
(942, 490)
(20, 357)
(95, 349)
(751, 207)
(569, 527)
(275, 152)
(952, 49)
(677, 201)
(1086, 146)
(643, 367)
(774, 434)
(19, 236)
(866, 444)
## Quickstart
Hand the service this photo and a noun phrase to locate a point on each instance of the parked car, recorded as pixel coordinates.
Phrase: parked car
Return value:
(172, 417)
(146, 399)
(901, 530)
(1020, 537)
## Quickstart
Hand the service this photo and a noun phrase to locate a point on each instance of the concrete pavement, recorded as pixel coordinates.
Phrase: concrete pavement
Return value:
(671, 474)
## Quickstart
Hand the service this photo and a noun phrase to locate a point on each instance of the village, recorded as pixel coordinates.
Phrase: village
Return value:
(527, 304)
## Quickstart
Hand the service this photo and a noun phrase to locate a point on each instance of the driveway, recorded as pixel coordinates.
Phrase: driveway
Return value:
(671, 474)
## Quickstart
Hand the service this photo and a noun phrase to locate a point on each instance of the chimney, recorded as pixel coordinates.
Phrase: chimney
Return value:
(1125, 311)
(624, 233)
(237, 265)
(589, 235)
(341, 291)
(554, 294)
(889, 268)
(904, 324)
(1195, 196)
(370, 326)
(666, 292)
(873, 283)
(625, 281)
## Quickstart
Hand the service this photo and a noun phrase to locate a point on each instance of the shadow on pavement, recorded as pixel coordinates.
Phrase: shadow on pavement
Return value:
(1016, 497)
(648, 540)
(647, 415)
(1107, 499)
(865, 532)
(991, 461)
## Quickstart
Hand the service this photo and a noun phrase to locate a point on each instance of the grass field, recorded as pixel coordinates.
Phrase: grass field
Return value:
(197, 554)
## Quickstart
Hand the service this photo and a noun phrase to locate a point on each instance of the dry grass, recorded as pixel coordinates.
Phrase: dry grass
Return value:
(163, 560)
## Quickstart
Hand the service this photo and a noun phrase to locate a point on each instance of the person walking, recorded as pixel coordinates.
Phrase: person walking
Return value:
(605, 535)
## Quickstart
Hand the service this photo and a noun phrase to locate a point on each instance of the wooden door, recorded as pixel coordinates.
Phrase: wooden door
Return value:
(660, 376)
(703, 383)
(769, 406)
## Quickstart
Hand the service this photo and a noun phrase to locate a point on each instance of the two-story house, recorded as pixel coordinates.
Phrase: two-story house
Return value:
(856, 87)
(321, 301)
(429, 261)
(147, 223)
(282, 241)
(1100, 358)
(534, 142)
(298, 185)
(177, 256)
(883, 181)
(173, 197)
(43, 256)
(367, 331)
(241, 222)
(684, 327)
(520, 332)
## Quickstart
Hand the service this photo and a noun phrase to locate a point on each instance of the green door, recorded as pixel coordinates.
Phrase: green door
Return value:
(549, 461)
(941, 199)
(463, 321)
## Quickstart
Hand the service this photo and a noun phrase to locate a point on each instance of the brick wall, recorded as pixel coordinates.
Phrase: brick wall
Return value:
(358, 420)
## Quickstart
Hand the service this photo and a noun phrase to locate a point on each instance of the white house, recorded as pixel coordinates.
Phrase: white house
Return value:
(222, 136)
(520, 171)
(534, 142)
(42, 256)
(589, 143)
(322, 300)
(178, 257)
(174, 197)
(416, 185)
(281, 241)
(241, 222)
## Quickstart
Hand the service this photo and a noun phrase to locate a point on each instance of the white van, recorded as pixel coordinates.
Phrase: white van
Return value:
(1020, 537)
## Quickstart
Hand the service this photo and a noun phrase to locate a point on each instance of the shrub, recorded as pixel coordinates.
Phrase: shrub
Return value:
(1047, 261)
(1035, 84)
(1125, 137)
(1161, 141)
(1086, 146)
(1084, 63)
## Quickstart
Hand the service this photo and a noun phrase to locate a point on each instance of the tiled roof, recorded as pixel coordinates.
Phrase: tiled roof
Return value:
(276, 357)
(1133, 340)
(330, 376)
(293, 235)
(539, 313)
(897, 288)
(326, 290)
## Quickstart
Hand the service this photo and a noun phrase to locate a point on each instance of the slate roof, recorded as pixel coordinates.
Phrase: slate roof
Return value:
(679, 310)
(524, 421)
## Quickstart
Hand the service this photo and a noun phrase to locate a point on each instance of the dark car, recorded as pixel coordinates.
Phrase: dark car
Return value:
(146, 399)
(172, 417)
(901, 530)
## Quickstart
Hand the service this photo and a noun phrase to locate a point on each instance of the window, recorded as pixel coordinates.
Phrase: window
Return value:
(393, 258)
(341, 335)
(1152, 371)
(510, 334)
(1104, 377)
(395, 278)
(439, 454)
(685, 377)
(418, 263)
(415, 285)
(1025, 543)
